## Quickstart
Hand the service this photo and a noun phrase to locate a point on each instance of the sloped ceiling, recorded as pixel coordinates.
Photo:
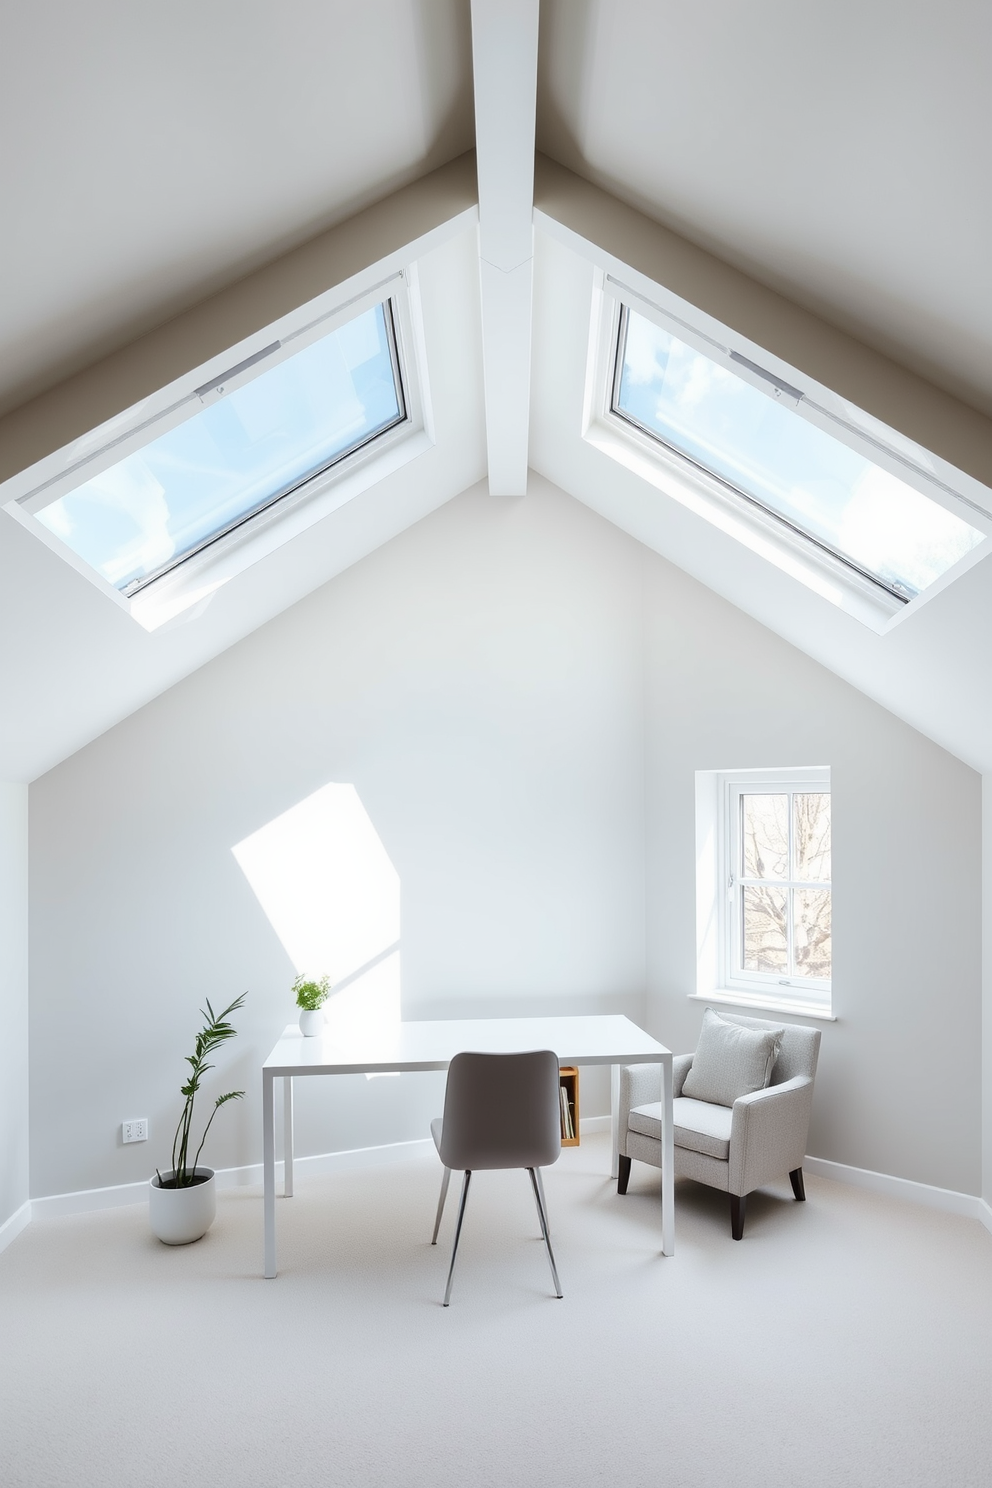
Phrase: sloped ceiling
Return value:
(153, 153)
(838, 153)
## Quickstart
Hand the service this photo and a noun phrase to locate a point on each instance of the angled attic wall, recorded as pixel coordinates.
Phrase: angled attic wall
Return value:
(13, 999)
(483, 681)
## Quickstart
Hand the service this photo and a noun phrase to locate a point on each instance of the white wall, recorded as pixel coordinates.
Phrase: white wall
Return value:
(479, 681)
(899, 1081)
(13, 998)
(987, 989)
(521, 694)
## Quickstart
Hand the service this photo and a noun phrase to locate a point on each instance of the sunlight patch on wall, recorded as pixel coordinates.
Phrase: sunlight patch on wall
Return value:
(331, 894)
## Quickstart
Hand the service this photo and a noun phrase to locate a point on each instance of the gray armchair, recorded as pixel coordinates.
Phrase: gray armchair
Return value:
(735, 1148)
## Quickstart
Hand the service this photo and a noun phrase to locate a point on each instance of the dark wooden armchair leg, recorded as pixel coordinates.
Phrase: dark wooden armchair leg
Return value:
(798, 1186)
(623, 1174)
(738, 1204)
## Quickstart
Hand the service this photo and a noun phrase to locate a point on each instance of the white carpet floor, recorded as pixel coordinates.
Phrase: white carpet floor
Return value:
(845, 1341)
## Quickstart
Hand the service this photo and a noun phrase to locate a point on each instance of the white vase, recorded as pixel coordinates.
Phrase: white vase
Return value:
(180, 1215)
(311, 1022)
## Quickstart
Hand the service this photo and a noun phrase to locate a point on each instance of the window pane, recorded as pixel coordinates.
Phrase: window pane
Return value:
(799, 472)
(811, 835)
(763, 927)
(811, 932)
(765, 836)
(235, 456)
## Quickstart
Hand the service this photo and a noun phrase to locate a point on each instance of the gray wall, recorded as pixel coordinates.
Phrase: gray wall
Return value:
(521, 694)
(13, 998)
(899, 1081)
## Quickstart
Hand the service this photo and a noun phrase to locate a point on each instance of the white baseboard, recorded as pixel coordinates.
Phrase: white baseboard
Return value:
(927, 1194)
(89, 1199)
(12, 1227)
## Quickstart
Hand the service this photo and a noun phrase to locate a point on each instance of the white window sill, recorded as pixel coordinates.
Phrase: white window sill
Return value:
(757, 1002)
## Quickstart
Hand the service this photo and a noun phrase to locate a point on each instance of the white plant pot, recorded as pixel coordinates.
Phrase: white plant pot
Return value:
(311, 1022)
(179, 1216)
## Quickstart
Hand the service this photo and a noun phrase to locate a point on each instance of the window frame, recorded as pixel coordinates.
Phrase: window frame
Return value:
(193, 579)
(782, 392)
(738, 514)
(219, 387)
(715, 920)
(733, 787)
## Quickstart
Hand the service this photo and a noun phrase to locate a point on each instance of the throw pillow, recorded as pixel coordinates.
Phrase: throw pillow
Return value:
(731, 1061)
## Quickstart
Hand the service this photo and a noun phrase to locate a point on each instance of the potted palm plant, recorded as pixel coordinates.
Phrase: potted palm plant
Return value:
(182, 1202)
(310, 999)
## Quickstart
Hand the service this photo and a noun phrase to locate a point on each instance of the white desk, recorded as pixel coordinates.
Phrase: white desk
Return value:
(430, 1046)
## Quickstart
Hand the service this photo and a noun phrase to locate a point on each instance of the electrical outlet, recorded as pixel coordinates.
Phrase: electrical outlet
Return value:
(135, 1131)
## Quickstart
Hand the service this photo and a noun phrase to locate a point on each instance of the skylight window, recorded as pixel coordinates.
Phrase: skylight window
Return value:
(828, 492)
(245, 449)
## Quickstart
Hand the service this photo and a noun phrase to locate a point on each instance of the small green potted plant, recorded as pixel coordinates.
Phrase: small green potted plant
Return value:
(310, 999)
(182, 1202)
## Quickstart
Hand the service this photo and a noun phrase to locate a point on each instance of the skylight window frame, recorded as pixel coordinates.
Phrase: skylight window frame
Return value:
(263, 361)
(784, 392)
(193, 578)
(797, 552)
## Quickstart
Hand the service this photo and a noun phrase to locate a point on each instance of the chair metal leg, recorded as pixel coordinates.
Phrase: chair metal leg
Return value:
(798, 1186)
(458, 1231)
(535, 1178)
(440, 1203)
(623, 1176)
(738, 1205)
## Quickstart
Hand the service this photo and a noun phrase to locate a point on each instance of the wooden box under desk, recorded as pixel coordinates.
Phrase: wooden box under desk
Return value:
(568, 1076)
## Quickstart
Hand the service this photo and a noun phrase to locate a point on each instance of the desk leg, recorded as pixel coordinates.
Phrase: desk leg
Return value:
(667, 1160)
(614, 1120)
(268, 1174)
(287, 1135)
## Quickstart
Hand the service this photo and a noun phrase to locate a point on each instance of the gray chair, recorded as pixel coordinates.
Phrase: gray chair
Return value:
(500, 1111)
(735, 1148)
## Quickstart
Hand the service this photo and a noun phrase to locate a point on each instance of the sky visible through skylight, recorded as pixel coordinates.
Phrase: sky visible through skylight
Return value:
(234, 457)
(795, 470)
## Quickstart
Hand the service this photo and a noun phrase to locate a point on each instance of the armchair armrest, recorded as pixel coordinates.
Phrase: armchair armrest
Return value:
(768, 1133)
(681, 1065)
(640, 1085)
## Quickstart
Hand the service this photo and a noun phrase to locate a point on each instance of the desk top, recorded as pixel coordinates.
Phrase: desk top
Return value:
(594, 1039)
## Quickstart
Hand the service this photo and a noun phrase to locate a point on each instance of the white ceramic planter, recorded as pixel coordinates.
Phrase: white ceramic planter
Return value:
(179, 1216)
(311, 1022)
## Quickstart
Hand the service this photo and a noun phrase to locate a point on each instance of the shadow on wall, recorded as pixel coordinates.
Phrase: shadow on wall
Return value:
(330, 892)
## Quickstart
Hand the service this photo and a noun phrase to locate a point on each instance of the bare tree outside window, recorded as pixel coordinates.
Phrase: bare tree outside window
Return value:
(784, 884)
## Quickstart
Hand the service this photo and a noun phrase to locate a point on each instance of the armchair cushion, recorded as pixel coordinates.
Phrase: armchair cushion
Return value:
(731, 1061)
(699, 1125)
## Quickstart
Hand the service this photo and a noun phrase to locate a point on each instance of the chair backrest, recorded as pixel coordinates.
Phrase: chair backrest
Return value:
(800, 1047)
(501, 1111)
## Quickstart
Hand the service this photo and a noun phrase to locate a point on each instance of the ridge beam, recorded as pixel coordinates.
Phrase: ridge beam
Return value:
(504, 62)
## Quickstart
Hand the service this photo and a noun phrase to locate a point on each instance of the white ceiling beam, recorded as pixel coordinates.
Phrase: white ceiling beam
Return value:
(504, 59)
